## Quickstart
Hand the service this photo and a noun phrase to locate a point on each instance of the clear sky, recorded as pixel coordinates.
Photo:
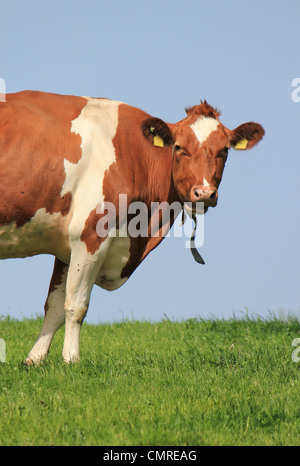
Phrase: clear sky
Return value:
(162, 56)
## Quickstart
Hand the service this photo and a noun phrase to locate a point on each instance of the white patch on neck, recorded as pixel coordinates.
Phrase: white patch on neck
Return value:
(203, 127)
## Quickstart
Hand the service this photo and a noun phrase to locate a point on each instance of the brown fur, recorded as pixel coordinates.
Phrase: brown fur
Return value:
(203, 109)
(35, 138)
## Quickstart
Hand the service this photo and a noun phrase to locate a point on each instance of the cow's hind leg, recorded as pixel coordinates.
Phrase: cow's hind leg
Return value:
(54, 313)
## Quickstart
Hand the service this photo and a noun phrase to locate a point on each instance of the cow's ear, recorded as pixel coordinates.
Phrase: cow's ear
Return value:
(246, 136)
(157, 132)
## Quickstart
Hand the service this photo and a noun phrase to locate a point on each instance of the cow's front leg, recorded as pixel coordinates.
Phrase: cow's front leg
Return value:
(54, 313)
(82, 274)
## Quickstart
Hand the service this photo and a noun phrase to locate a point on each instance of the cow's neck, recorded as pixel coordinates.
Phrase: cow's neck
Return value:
(160, 185)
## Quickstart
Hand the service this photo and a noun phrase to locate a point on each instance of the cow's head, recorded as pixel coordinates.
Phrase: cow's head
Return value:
(200, 148)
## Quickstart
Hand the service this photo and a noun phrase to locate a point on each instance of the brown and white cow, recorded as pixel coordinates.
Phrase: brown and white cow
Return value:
(60, 156)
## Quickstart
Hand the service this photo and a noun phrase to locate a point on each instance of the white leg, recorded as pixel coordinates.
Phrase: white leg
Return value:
(54, 313)
(82, 274)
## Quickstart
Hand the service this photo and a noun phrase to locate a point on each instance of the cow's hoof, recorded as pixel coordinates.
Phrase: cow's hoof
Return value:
(33, 362)
(28, 362)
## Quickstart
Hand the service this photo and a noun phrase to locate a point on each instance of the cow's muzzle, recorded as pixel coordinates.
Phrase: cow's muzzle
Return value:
(206, 194)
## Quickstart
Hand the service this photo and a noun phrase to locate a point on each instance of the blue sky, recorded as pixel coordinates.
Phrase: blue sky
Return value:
(162, 56)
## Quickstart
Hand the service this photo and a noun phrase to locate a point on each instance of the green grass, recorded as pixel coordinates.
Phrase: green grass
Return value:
(190, 383)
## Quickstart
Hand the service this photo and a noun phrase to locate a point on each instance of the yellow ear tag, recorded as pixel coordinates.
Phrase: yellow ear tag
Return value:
(157, 141)
(242, 144)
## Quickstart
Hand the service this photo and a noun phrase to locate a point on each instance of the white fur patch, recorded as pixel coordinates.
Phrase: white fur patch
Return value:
(45, 233)
(203, 127)
(115, 260)
(206, 183)
(97, 126)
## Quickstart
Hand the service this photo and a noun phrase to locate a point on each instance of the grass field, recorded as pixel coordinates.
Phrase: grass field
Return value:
(190, 383)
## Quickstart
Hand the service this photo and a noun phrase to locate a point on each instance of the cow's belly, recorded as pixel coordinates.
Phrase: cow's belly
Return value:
(117, 257)
(44, 234)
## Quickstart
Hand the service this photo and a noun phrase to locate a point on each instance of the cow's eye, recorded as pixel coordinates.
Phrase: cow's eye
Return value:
(181, 151)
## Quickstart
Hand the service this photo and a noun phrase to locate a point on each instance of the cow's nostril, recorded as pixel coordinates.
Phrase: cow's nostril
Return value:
(213, 195)
(196, 192)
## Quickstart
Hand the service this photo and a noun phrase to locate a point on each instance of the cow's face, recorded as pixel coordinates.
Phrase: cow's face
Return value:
(200, 149)
(201, 145)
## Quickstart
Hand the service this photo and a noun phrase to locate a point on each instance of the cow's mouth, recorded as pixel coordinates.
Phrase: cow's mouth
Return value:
(195, 208)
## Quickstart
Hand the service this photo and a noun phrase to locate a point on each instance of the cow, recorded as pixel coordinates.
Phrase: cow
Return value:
(61, 156)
